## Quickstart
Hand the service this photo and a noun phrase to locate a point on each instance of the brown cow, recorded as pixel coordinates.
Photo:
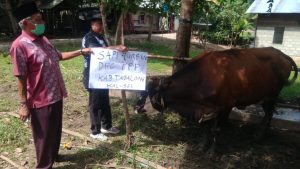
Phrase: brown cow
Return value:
(209, 86)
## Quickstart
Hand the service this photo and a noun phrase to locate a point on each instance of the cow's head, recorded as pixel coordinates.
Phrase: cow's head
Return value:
(179, 92)
(154, 90)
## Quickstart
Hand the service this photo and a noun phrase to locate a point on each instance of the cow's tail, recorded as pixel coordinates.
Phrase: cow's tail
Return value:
(294, 68)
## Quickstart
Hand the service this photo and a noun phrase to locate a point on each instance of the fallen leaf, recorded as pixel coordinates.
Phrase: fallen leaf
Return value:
(68, 145)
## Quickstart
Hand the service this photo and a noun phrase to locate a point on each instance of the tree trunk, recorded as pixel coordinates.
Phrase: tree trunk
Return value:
(150, 28)
(119, 32)
(12, 19)
(102, 7)
(184, 33)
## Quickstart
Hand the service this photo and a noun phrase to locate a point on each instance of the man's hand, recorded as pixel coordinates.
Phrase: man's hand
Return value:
(85, 51)
(120, 48)
(24, 112)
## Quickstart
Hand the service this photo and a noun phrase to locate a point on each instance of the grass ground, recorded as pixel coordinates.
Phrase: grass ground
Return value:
(165, 139)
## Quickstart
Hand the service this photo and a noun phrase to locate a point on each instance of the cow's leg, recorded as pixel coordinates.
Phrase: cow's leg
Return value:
(213, 130)
(269, 109)
(210, 128)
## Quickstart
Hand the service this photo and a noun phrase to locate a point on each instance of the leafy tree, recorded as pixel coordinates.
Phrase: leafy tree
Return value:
(229, 20)
(7, 6)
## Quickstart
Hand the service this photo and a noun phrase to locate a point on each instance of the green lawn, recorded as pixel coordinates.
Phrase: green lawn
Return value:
(292, 91)
(13, 134)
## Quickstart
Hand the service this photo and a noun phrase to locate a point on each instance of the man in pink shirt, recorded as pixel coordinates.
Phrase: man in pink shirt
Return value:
(40, 83)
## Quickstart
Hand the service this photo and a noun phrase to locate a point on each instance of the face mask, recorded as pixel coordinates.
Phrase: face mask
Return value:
(39, 29)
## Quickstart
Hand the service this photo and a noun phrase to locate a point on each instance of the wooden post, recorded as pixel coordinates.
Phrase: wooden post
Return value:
(11, 162)
(129, 135)
(120, 41)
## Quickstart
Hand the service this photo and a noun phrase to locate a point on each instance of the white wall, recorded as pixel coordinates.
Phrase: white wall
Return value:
(290, 44)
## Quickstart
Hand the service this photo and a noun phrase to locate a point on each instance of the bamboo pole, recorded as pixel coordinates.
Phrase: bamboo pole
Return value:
(76, 134)
(167, 57)
(106, 166)
(11, 162)
(120, 41)
(288, 106)
(142, 160)
(129, 135)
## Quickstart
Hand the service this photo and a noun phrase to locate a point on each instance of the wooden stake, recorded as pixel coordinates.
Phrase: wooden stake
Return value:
(76, 134)
(288, 106)
(142, 160)
(129, 135)
(11, 162)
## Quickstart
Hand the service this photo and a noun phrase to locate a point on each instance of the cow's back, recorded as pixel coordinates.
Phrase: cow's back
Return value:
(228, 78)
(245, 76)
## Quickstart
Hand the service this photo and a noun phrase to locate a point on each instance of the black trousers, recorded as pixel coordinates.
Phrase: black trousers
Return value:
(46, 124)
(100, 111)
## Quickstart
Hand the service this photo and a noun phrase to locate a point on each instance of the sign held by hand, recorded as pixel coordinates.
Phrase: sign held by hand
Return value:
(111, 69)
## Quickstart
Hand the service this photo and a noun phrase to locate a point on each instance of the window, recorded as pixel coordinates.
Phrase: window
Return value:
(278, 35)
(142, 18)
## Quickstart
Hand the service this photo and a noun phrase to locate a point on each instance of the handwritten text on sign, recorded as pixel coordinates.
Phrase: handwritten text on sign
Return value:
(111, 69)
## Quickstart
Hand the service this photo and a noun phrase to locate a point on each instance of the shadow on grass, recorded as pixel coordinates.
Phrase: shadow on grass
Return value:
(84, 157)
(168, 136)
(238, 147)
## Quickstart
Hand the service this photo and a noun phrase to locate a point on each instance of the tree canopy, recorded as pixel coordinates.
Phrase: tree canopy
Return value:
(229, 20)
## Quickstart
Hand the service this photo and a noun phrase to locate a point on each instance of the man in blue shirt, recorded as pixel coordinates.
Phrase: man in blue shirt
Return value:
(99, 106)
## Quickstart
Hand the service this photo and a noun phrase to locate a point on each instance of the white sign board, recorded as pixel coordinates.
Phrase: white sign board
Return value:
(111, 69)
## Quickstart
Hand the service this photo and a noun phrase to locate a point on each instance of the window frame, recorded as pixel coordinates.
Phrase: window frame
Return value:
(278, 35)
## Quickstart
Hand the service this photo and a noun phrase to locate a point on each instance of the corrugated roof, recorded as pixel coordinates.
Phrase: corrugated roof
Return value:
(274, 6)
(51, 4)
(89, 14)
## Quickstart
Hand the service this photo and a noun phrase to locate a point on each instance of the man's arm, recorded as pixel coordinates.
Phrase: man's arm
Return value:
(72, 54)
(120, 48)
(24, 110)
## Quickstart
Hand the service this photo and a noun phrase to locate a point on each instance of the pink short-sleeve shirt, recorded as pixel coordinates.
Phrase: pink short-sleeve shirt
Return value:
(36, 58)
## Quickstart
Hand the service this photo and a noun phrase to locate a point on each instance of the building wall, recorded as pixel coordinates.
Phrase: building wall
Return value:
(291, 37)
(290, 44)
(144, 25)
